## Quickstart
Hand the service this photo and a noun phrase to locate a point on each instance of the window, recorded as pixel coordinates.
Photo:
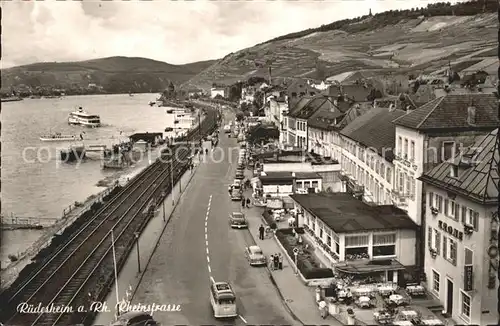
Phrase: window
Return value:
(435, 281)
(446, 206)
(465, 309)
(412, 151)
(450, 250)
(405, 149)
(321, 233)
(388, 175)
(431, 199)
(401, 182)
(439, 202)
(384, 244)
(337, 243)
(315, 184)
(328, 241)
(448, 150)
(412, 187)
(454, 171)
(356, 247)
(470, 217)
(408, 184)
(382, 170)
(468, 257)
(399, 145)
(437, 241)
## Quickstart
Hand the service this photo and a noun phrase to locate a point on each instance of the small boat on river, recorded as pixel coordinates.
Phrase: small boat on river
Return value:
(73, 153)
(58, 137)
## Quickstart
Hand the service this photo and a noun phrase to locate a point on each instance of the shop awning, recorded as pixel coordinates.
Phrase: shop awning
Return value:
(372, 266)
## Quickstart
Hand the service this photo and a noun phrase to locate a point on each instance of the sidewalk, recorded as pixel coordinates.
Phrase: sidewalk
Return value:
(299, 298)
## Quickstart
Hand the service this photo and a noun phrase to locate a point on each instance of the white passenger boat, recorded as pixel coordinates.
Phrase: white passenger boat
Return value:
(81, 117)
(58, 137)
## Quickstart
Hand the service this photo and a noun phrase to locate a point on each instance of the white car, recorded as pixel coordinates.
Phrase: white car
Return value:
(255, 256)
(227, 129)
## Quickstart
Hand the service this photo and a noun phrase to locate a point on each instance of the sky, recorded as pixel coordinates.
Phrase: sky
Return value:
(176, 32)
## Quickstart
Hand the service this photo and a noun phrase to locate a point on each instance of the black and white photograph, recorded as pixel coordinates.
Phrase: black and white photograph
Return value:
(249, 162)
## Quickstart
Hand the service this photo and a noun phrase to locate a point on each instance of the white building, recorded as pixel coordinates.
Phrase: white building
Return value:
(461, 224)
(275, 113)
(367, 145)
(222, 91)
(282, 184)
(432, 134)
(350, 241)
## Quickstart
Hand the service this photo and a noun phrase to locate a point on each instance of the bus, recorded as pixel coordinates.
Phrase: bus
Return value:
(222, 299)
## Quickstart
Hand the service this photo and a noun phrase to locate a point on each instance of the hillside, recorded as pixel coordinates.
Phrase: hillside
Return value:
(114, 74)
(412, 41)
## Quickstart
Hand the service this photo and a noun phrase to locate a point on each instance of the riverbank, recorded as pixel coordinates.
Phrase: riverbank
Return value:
(10, 270)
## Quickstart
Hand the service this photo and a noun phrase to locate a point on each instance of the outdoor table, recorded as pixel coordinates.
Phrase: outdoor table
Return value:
(432, 322)
(396, 298)
(386, 289)
(415, 289)
(364, 301)
(364, 291)
(409, 314)
(383, 317)
(402, 323)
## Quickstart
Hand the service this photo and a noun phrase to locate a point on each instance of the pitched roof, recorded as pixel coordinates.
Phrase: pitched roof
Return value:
(451, 111)
(352, 113)
(375, 129)
(311, 107)
(298, 105)
(325, 117)
(343, 213)
(477, 181)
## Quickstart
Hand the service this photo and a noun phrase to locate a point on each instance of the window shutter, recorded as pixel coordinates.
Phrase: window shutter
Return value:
(445, 249)
(475, 220)
(446, 204)
(457, 211)
(431, 201)
(438, 243)
(464, 214)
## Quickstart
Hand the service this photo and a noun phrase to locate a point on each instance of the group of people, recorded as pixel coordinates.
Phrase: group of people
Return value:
(245, 203)
(276, 262)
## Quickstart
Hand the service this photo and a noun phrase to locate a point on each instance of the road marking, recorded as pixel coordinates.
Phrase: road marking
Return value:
(241, 317)
(206, 236)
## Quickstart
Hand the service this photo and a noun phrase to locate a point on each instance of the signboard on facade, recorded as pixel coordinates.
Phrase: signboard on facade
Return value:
(468, 278)
(451, 230)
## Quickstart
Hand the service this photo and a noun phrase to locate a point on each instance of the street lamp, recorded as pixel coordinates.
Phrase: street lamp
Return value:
(138, 255)
(172, 180)
(164, 196)
(180, 180)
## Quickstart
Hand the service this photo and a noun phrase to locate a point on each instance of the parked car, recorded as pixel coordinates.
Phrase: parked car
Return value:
(135, 318)
(237, 220)
(240, 174)
(255, 256)
(227, 129)
(236, 194)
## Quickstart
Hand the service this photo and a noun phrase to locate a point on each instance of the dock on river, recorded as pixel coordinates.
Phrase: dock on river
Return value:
(12, 222)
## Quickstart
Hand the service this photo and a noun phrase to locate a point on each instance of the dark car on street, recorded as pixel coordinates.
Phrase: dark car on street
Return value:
(240, 174)
(135, 318)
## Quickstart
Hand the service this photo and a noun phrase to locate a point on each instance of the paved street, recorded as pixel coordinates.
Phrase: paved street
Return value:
(179, 272)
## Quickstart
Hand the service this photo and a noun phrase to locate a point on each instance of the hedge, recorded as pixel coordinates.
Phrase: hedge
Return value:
(305, 264)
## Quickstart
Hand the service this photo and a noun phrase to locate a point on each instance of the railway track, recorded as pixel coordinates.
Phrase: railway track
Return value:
(69, 277)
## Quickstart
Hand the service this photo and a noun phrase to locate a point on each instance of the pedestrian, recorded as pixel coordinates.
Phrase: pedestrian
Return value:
(243, 202)
(276, 261)
(271, 262)
(280, 261)
(248, 202)
(261, 232)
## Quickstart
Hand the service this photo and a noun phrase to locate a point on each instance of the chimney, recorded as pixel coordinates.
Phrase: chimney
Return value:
(293, 174)
(471, 115)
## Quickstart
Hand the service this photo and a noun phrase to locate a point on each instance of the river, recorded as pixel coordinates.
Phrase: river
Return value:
(35, 183)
